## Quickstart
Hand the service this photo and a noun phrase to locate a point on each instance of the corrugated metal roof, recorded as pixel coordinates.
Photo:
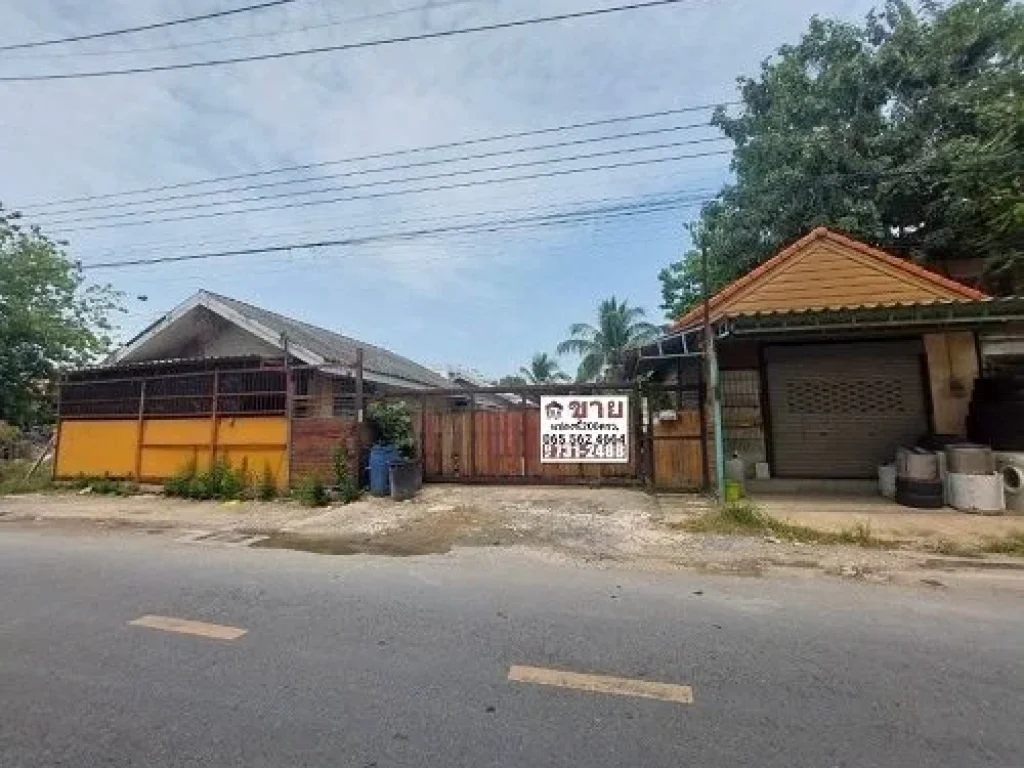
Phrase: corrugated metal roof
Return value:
(335, 347)
(1003, 309)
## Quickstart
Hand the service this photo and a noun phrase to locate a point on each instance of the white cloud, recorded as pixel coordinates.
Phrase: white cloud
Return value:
(71, 138)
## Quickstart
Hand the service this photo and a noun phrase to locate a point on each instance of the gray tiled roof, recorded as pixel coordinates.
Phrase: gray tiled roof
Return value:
(334, 347)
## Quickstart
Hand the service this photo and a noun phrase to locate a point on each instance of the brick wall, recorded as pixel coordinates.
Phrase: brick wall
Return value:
(314, 442)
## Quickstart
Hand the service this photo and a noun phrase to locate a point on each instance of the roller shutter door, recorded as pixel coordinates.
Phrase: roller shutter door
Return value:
(841, 410)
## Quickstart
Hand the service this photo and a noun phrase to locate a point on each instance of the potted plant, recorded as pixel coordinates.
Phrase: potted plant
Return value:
(394, 467)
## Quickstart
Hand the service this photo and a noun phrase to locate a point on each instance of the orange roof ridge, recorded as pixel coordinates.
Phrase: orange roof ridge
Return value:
(775, 262)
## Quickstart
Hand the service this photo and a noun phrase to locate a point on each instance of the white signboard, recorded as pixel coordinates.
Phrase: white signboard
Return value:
(584, 428)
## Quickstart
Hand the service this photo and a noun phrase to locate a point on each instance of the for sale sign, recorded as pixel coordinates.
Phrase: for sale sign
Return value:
(592, 429)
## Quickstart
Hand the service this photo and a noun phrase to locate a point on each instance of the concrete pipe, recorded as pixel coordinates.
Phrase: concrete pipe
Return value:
(970, 460)
(1013, 488)
(976, 493)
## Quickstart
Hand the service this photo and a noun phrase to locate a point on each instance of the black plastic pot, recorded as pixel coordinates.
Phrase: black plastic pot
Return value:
(406, 476)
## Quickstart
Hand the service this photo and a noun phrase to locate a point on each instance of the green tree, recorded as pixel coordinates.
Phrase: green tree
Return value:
(906, 131)
(49, 319)
(543, 370)
(603, 347)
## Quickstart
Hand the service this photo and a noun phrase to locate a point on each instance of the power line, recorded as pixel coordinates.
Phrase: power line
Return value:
(310, 229)
(419, 220)
(383, 182)
(147, 27)
(388, 154)
(388, 168)
(533, 20)
(484, 182)
(490, 226)
(432, 5)
(472, 254)
(416, 190)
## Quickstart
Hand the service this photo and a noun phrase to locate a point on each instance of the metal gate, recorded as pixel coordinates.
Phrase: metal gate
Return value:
(493, 435)
(840, 410)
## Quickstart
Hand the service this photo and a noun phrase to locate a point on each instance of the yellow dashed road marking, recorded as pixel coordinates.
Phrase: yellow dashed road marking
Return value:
(186, 627)
(619, 686)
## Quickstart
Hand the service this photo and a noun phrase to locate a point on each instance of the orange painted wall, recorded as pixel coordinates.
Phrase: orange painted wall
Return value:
(95, 448)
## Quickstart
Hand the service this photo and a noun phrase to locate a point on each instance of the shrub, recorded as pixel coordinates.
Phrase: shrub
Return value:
(219, 482)
(180, 483)
(267, 490)
(392, 424)
(14, 477)
(312, 492)
(347, 485)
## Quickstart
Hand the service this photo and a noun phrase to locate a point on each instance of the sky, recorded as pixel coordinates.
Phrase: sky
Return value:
(484, 299)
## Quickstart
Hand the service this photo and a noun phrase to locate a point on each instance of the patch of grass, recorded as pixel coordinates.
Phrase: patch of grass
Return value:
(13, 481)
(109, 487)
(311, 492)
(219, 482)
(267, 489)
(954, 549)
(744, 518)
(346, 485)
(1012, 544)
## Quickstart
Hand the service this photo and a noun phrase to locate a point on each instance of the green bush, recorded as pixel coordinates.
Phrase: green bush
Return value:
(219, 482)
(312, 492)
(267, 490)
(346, 485)
(180, 483)
(391, 424)
(13, 477)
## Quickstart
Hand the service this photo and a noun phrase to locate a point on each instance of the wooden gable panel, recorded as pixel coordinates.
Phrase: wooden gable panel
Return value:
(826, 274)
(826, 270)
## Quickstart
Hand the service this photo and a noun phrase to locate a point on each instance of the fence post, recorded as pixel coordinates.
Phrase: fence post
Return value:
(522, 439)
(358, 440)
(57, 426)
(423, 433)
(472, 435)
(702, 404)
(213, 418)
(140, 428)
(639, 444)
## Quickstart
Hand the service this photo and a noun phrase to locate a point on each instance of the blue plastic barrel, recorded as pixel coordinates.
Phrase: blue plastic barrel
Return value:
(380, 457)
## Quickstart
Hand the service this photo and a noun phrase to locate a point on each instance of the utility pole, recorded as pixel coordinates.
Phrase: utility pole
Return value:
(713, 394)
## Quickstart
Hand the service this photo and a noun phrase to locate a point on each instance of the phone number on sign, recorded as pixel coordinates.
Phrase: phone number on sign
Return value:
(584, 447)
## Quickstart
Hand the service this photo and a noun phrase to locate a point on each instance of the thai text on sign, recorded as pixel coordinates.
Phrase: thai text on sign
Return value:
(592, 429)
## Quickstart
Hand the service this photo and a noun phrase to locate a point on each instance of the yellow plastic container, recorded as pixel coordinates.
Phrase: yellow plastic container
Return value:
(733, 491)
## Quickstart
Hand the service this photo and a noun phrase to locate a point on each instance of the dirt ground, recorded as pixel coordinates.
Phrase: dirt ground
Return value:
(587, 525)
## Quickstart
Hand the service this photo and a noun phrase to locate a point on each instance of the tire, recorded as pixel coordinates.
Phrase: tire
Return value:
(919, 487)
(939, 441)
(920, 494)
(919, 502)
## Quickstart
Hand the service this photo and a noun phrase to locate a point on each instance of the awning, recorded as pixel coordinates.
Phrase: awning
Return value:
(934, 316)
(868, 321)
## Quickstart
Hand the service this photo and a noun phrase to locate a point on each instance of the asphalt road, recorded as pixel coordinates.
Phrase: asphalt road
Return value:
(374, 661)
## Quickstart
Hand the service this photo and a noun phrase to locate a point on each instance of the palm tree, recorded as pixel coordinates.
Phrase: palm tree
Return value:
(603, 348)
(543, 370)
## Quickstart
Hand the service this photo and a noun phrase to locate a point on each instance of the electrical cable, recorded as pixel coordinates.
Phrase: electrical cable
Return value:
(383, 182)
(147, 27)
(391, 153)
(388, 168)
(387, 41)
(490, 226)
(392, 193)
